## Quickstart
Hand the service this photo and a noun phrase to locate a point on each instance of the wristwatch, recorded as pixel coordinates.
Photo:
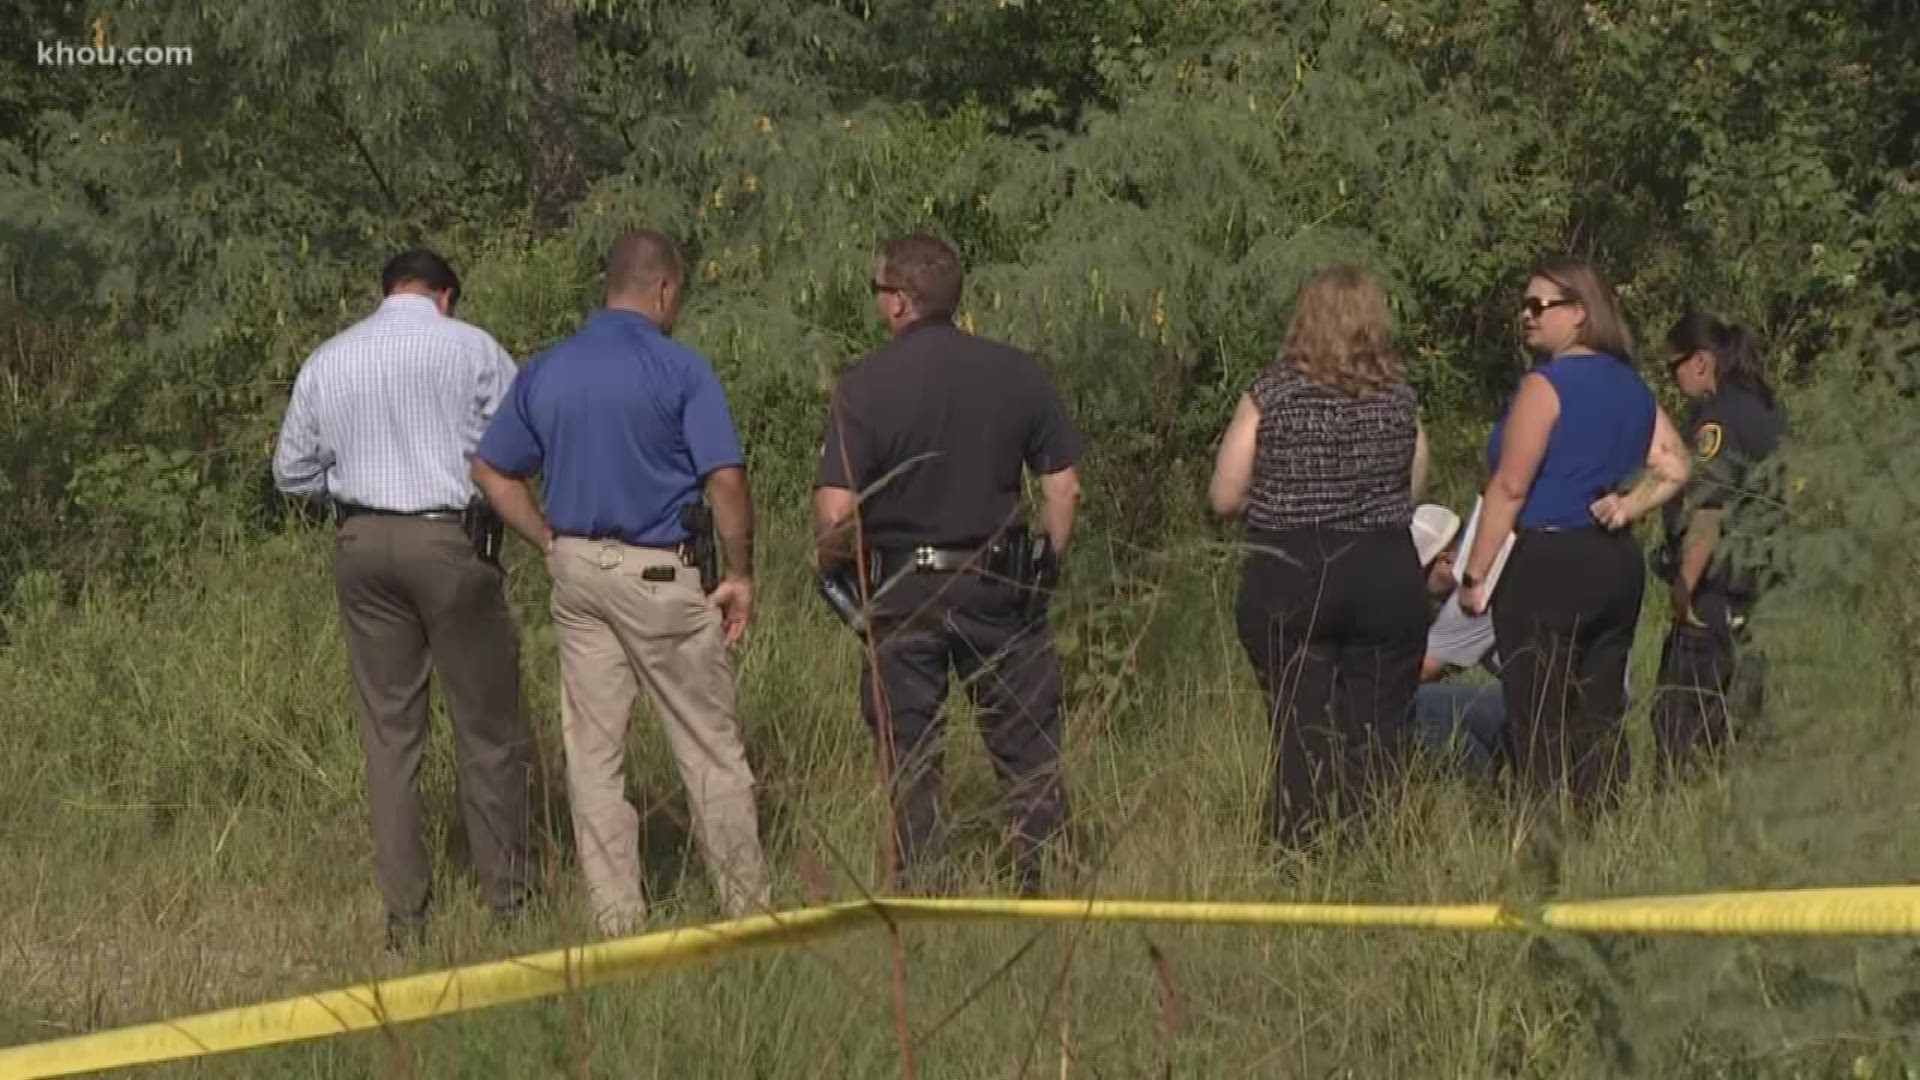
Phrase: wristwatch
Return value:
(1469, 581)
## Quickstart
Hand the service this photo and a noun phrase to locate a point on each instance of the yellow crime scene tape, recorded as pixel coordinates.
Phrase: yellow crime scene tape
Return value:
(1888, 910)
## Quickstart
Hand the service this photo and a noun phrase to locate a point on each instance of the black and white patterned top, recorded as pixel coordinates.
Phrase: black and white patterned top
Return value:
(1325, 459)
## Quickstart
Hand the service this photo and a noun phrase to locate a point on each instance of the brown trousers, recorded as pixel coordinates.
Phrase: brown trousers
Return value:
(619, 629)
(413, 598)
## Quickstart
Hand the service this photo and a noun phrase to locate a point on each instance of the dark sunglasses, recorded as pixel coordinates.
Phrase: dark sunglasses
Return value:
(1537, 307)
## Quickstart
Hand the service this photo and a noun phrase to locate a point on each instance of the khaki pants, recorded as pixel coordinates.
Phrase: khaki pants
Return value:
(616, 629)
(415, 599)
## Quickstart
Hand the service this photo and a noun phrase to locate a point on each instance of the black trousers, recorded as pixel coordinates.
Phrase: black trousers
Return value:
(927, 627)
(1334, 624)
(1564, 613)
(1703, 679)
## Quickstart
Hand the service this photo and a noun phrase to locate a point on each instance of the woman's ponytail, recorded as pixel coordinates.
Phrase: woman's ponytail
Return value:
(1735, 359)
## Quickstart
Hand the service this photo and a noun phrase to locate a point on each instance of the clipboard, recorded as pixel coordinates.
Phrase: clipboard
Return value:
(1466, 548)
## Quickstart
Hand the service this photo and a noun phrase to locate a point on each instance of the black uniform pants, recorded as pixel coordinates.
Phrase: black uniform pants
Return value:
(1703, 678)
(1334, 624)
(1564, 612)
(970, 626)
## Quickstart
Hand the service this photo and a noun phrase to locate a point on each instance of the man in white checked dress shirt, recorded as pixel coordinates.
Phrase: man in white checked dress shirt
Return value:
(381, 423)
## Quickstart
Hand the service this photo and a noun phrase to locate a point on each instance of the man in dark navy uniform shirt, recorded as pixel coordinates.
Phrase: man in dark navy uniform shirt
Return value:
(1732, 426)
(919, 488)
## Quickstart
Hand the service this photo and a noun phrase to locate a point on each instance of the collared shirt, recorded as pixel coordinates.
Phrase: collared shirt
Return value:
(1731, 431)
(623, 422)
(384, 414)
(936, 426)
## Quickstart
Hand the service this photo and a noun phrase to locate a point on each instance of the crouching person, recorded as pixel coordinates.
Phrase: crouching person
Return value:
(1460, 721)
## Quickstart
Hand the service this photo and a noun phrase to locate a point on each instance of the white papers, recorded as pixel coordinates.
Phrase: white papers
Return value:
(1466, 549)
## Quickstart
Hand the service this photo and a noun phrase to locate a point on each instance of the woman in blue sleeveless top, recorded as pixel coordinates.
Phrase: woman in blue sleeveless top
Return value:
(1568, 597)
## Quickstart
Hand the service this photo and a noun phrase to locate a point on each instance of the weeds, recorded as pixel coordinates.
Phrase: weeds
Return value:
(183, 811)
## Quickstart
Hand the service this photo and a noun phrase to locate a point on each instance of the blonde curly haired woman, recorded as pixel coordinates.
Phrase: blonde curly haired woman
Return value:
(1323, 460)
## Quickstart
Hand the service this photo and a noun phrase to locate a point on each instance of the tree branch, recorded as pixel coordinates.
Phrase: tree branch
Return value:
(339, 116)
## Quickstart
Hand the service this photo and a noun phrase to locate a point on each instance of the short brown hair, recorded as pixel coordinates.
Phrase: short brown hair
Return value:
(1340, 334)
(923, 268)
(1605, 329)
(643, 257)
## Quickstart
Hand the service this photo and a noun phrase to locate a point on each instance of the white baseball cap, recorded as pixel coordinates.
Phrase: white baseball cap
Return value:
(1434, 528)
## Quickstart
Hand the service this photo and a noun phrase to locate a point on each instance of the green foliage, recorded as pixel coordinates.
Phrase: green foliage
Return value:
(142, 501)
(1842, 532)
(1136, 185)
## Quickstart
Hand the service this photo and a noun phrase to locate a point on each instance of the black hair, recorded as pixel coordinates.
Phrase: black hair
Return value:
(423, 266)
(1734, 357)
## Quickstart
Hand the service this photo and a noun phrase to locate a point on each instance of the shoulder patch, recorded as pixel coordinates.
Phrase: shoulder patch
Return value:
(1707, 440)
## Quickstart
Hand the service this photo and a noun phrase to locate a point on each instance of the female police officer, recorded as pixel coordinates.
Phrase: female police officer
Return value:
(1732, 425)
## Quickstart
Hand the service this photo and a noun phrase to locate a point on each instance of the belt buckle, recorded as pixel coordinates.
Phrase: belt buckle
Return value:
(610, 555)
(923, 558)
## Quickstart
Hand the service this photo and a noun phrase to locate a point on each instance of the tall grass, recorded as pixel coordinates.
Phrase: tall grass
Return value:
(182, 809)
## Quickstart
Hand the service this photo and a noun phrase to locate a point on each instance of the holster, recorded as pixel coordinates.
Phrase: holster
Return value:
(839, 593)
(484, 528)
(1666, 561)
(1034, 569)
(840, 587)
(701, 549)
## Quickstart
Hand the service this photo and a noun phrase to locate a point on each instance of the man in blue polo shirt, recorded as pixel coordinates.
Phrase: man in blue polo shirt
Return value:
(628, 426)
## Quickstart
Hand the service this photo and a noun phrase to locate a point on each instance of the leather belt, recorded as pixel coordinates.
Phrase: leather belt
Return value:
(656, 545)
(345, 510)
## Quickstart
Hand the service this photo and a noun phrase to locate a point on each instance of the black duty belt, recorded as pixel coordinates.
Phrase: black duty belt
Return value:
(1023, 560)
(927, 559)
(1525, 530)
(344, 510)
